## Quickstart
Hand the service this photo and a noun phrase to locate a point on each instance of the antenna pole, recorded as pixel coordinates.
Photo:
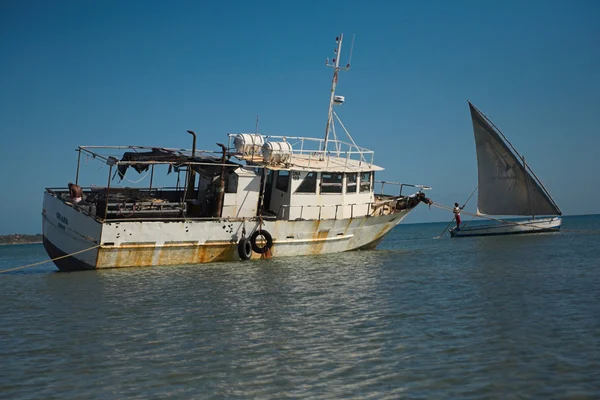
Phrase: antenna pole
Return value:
(336, 67)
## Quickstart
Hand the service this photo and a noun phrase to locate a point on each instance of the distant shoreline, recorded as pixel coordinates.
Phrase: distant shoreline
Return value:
(19, 238)
(12, 244)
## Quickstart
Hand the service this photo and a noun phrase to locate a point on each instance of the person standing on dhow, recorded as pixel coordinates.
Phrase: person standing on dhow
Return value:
(456, 212)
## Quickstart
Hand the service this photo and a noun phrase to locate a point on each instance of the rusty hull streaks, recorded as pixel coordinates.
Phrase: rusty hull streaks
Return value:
(145, 255)
(320, 238)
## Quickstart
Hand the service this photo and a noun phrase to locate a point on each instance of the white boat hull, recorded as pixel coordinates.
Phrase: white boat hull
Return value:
(114, 244)
(513, 228)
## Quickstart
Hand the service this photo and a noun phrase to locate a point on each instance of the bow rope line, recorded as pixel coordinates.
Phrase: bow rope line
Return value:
(444, 207)
(52, 259)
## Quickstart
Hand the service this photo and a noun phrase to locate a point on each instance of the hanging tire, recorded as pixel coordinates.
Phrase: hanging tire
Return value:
(244, 249)
(266, 236)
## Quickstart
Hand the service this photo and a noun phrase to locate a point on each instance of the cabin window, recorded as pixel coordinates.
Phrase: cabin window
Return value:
(309, 184)
(231, 182)
(331, 182)
(283, 180)
(351, 182)
(365, 182)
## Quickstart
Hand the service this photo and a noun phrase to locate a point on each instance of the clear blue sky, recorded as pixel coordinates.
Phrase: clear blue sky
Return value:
(142, 72)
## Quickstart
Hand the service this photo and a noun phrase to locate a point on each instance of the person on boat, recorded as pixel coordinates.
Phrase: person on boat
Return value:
(75, 192)
(456, 212)
(425, 199)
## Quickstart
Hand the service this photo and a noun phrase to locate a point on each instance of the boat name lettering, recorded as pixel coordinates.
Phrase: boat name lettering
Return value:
(62, 218)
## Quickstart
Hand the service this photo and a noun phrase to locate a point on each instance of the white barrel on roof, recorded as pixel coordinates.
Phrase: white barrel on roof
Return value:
(248, 143)
(277, 152)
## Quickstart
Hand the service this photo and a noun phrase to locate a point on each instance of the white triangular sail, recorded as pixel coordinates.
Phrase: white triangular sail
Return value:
(506, 187)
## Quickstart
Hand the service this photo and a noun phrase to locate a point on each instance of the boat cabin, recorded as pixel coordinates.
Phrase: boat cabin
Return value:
(283, 178)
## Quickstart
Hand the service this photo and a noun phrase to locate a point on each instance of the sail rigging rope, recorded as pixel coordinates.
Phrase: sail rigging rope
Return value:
(52, 259)
(444, 207)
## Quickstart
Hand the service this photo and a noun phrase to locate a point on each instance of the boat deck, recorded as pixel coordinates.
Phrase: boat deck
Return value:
(312, 162)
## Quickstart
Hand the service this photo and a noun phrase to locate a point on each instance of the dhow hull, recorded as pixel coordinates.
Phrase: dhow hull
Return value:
(531, 226)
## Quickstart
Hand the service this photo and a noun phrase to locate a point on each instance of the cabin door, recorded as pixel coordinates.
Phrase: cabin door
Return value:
(268, 190)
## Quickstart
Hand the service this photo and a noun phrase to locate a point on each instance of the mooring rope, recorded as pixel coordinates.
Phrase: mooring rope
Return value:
(444, 207)
(46, 261)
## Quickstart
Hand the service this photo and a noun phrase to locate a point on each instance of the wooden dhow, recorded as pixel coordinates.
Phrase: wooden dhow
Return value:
(507, 186)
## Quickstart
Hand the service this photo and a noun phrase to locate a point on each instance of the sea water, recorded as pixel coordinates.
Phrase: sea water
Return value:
(490, 317)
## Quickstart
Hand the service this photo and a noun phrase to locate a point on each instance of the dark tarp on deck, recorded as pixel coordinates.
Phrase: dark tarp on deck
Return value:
(170, 157)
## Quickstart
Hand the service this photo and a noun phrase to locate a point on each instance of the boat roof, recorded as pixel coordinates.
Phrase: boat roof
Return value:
(310, 162)
(303, 153)
(355, 159)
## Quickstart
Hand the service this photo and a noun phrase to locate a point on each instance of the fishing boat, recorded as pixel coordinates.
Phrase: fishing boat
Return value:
(507, 186)
(259, 196)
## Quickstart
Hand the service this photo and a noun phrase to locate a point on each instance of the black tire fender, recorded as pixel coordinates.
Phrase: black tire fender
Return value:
(244, 249)
(268, 239)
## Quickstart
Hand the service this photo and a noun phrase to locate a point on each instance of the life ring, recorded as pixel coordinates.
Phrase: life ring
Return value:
(244, 249)
(268, 238)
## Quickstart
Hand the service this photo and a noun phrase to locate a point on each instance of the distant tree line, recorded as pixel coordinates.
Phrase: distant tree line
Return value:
(18, 238)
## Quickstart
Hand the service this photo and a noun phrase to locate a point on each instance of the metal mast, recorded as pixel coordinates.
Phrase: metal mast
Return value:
(335, 64)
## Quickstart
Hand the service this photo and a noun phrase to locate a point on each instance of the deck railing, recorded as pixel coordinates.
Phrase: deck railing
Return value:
(401, 186)
(129, 210)
(337, 210)
(313, 148)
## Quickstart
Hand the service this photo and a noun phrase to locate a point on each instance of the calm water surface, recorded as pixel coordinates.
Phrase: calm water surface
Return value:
(470, 318)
